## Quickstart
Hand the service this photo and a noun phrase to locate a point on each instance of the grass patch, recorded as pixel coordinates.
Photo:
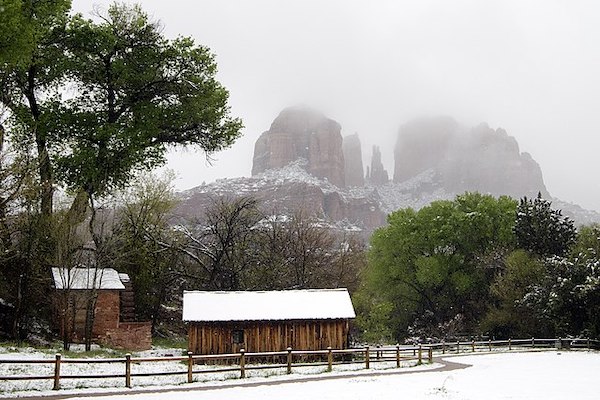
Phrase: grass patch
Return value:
(170, 343)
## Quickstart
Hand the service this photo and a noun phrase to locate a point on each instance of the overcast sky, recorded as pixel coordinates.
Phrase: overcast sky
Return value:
(530, 67)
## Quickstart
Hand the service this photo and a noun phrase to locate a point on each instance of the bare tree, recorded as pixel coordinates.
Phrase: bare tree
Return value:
(219, 247)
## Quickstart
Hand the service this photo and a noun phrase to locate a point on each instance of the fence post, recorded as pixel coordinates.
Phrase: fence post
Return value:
(509, 345)
(458, 346)
(329, 359)
(532, 342)
(420, 354)
(443, 347)
(289, 360)
(128, 370)
(190, 366)
(242, 363)
(473, 346)
(397, 356)
(588, 344)
(57, 372)
(367, 360)
(430, 354)
(490, 344)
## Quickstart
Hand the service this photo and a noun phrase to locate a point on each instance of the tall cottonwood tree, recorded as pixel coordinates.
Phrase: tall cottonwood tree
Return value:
(426, 264)
(95, 102)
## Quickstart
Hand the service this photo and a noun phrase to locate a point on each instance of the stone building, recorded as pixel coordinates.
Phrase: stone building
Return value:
(114, 322)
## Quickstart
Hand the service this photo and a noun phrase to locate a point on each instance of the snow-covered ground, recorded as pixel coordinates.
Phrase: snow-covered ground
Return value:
(537, 375)
(544, 375)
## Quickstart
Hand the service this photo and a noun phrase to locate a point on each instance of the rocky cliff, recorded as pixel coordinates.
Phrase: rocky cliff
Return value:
(354, 171)
(377, 175)
(479, 159)
(301, 163)
(302, 133)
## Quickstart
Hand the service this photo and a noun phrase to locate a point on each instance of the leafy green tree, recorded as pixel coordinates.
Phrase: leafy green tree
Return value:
(588, 242)
(31, 73)
(508, 316)
(556, 299)
(136, 94)
(428, 262)
(543, 230)
(95, 103)
(143, 245)
(567, 299)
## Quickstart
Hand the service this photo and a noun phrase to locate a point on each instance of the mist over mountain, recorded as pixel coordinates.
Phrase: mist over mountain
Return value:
(303, 162)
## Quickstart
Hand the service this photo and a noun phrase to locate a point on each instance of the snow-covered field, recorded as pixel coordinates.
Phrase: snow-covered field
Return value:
(536, 375)
(543, 375)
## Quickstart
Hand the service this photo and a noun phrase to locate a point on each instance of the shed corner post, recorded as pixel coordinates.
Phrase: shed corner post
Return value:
(242, 363)
(289, 360)
(57, 372)
(190, 367)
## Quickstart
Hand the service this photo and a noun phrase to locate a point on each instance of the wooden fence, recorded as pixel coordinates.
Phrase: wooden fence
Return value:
(287, 360)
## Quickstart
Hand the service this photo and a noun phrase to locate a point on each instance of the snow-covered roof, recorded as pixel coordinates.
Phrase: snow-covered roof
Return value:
(86, 278)
(272, 305)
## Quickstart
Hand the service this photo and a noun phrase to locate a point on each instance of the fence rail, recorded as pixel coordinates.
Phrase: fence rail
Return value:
(289, 359)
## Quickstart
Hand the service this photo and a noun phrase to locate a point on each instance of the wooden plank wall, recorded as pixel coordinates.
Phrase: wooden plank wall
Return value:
(260, 336)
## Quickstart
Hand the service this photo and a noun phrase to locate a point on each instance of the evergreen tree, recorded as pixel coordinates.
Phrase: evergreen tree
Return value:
(543, 230)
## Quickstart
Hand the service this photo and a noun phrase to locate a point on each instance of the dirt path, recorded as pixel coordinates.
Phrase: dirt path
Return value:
(445, 366)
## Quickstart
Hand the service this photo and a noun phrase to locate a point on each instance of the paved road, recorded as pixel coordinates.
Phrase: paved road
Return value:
(445, 366)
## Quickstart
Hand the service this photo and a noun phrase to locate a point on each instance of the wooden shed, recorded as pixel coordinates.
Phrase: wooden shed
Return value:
(225, 322)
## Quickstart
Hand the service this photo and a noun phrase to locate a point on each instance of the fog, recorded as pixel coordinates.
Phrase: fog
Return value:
(530, 67)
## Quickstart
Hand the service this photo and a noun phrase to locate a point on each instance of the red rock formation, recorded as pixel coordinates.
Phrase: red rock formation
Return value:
(302, 133)
(353, 161)
(377, 175)
(480, 159)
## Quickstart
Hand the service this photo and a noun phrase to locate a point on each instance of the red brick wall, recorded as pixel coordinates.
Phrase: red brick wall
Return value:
(107, 312)
(133, 336)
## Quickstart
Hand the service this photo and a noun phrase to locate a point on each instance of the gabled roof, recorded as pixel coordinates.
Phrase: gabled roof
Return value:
(268, 305)
(86, 278)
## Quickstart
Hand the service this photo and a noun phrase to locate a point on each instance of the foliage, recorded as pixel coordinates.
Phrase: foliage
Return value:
(88, 105)
(508, 316)
(543, 230)
(549, 296)
(372, 318)
(428, 262)
(143, 235)
(136, 93)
